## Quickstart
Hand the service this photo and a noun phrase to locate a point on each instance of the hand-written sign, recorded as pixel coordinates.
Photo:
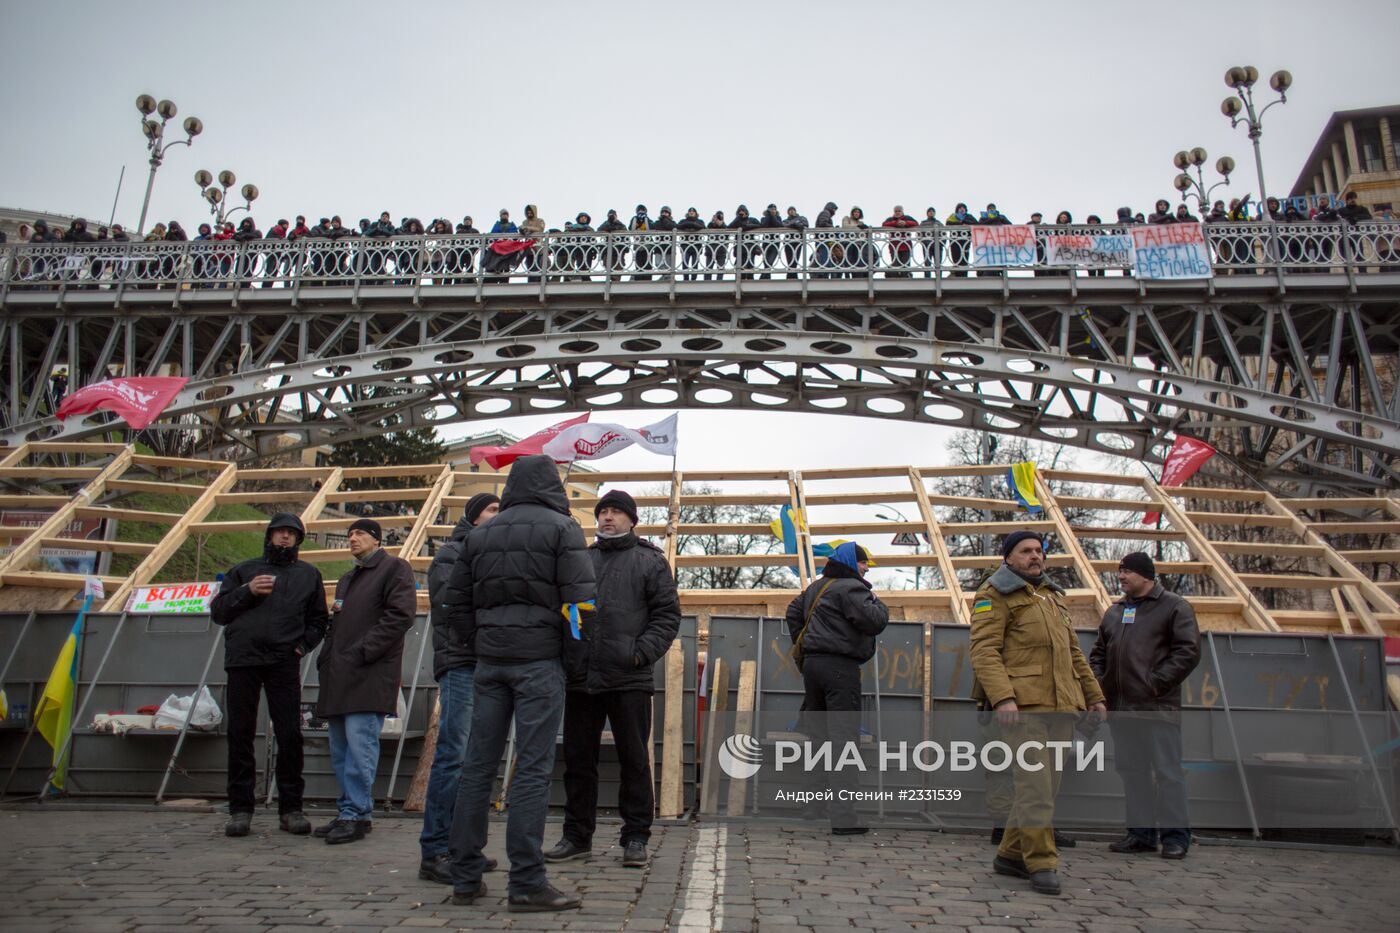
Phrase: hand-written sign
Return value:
(1171, 251)
(1003, 245)
(1095, 251)
(172, 598)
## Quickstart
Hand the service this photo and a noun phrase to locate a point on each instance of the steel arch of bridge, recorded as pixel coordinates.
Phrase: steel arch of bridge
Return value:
(1293, 374)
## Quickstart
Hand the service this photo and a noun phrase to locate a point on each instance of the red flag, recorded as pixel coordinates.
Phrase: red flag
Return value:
(498, 457)
(506, 247)
(1183, 460)
(139, 400)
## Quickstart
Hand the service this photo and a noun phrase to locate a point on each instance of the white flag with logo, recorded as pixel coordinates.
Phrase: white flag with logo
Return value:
(593, 440)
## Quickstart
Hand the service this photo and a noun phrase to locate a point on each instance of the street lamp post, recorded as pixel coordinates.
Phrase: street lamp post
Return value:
(156, 142)
(918, 570)
(1196, 187)
(218, 196)
(1243, 79)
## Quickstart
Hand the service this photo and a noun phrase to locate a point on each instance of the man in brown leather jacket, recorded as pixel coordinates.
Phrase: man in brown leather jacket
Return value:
(1148, 644)
(1026, 659)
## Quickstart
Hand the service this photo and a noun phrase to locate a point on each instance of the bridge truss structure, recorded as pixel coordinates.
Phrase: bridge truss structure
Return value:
(1286, 359)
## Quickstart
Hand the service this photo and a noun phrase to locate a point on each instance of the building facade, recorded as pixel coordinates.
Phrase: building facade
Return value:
(1357, 151)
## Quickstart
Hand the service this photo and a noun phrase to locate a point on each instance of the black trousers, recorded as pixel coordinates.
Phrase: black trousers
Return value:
(831, 713)
(629, 714)
(282, 684)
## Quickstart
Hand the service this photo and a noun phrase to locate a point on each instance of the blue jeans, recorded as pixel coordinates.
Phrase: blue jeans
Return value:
(532, 694)
(355, 759)
(456, 696)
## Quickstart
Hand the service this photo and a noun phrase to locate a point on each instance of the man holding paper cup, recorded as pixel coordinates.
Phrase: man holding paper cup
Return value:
(273, 609)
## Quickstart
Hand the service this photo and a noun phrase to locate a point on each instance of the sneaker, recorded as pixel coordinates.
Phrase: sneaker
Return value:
(467, 900)
(634, 855)
(295, 823)
(321, 832)
(1130, 844)
(567, 851)
(1045, 881)
(545, 899)
(239, 824)
(347, 831)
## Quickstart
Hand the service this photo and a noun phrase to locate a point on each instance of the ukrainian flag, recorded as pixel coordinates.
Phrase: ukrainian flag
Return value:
(55, 720)
(1020, 479)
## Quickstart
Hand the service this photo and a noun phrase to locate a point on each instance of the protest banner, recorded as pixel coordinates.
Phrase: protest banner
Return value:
(1089, 250)
(1171, 251)
(172, 598)
(1003, 245)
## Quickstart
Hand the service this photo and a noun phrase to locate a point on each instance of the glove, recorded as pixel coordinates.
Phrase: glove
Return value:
(571, 612)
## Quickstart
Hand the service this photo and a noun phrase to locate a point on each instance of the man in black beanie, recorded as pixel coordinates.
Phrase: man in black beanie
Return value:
(359, 667)
(1026, 658)
(609, 679)
(265, 637)
(1148, 644)
(454, 667)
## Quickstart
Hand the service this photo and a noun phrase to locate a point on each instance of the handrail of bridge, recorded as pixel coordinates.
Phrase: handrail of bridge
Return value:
(666, 257)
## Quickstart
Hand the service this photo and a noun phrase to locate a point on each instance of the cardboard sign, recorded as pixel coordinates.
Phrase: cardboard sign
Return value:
(173, 598)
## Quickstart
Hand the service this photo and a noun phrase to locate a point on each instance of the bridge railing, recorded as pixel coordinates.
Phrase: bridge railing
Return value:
(671, 256)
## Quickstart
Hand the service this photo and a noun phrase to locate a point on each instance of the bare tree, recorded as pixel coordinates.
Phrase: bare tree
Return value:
(725, 577)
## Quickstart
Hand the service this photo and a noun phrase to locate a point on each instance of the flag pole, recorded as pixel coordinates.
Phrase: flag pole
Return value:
(78, 623)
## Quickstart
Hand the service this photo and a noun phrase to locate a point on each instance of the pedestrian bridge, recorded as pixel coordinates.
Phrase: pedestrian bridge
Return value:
(1285, 358)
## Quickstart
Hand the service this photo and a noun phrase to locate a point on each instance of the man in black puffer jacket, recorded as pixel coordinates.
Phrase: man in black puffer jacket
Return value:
(454, 668)
(610, 679)
(835, 622)
(504, 601)
(273, 609)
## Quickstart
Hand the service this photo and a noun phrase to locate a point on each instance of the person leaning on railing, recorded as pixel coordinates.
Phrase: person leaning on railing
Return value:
(690, 226)
(716, 247)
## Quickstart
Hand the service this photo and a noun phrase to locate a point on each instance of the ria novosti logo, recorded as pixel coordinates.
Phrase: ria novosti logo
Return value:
(740, 756)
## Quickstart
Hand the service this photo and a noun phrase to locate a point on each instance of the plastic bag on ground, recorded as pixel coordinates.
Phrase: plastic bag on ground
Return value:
(175, 710)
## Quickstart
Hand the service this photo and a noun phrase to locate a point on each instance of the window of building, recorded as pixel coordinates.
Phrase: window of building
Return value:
(1368, 145)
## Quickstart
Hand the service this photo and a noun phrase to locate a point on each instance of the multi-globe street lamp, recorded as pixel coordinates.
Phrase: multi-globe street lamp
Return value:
(1242, 79)
(1185, 160)
(218, 196)
(156, 142)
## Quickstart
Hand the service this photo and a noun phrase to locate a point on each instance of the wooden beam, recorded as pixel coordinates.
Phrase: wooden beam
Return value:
(87, 544)
(73, 447)
(743, 722)
(179, 463)
(1135, 533)
(127, 515)
(939, 546)
(27, 550)
(1070, 543)
(57, 581)
(1269, 548)
(1210, 492)
(1355, 528)
(1376, 556)
(427, 514)
(1107, 505)
(161, 488)
(1290, 581)
(672, 801)
(1203, 548)
(257, 475)
(1340, 504)
(48, 473)
(1237, 518)
(249, 498)
(150, 566)
(33, 501)
(806, 566)
(673, 521)
(15, 456)
(718, 704)
(380, 495)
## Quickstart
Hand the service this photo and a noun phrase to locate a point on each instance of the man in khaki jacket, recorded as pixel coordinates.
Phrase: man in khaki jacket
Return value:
(1026, 659)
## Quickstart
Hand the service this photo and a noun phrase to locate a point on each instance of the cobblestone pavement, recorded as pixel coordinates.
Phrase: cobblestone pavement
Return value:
(133, 871)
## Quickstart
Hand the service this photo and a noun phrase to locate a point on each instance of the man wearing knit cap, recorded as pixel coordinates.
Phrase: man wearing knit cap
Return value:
(1148, 644)
(454, 667)
(273, 609)
(609, 678)
(1026, 660)
(360, 666)
(833, 626)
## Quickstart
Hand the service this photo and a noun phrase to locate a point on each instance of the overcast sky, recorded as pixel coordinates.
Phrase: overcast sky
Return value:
(432, 109)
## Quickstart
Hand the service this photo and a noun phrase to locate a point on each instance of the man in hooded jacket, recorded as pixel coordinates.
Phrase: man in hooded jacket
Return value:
(609, 676)
(834, 624)
(454, 668)
(516, 583)
(273, 609)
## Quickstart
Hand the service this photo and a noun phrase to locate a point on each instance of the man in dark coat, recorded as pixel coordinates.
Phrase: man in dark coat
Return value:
(273, 609)
(517, 582)
(834, 623)
(610, 680)
(454, 666)
(360, 666)
(1148, 645)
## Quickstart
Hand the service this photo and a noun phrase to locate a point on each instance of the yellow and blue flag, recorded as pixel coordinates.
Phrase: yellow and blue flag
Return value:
(1020, 479)
(55, 719)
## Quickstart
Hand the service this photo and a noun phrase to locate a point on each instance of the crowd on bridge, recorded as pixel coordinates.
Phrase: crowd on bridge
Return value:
(758, 244)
